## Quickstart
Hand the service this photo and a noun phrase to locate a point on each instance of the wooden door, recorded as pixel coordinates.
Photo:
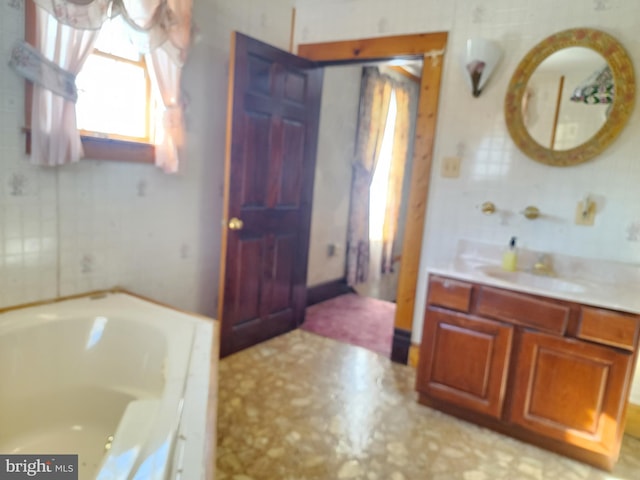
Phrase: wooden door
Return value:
(572, 391)
(274, 105)
(464, 360)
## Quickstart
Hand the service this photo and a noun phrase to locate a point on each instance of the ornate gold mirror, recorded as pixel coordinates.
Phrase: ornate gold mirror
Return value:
(570, 97)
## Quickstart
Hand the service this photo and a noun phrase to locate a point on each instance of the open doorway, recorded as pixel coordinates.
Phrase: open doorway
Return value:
(354, 261)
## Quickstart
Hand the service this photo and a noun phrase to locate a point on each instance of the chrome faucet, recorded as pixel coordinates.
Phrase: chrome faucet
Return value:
(543, 266)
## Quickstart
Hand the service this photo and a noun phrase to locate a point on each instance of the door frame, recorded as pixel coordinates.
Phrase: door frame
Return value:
(430, 47)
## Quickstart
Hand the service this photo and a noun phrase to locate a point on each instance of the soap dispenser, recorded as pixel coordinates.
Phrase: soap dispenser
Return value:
(510, 257)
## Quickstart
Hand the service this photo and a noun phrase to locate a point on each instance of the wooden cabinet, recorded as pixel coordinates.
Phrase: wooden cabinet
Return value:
(551, 372)
(570, 390)
(466, 360)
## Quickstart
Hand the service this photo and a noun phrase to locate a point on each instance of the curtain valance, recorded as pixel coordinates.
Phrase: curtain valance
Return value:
(65, 34)
(153, 23)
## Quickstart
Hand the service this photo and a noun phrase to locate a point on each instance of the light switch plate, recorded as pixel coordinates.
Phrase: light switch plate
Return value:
(451, 167)
(588, 218)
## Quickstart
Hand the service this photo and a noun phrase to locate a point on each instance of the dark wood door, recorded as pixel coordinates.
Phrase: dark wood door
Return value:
(274, 107)
(572, 391)
(464, 360)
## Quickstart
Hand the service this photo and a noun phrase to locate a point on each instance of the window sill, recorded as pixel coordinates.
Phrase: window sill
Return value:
(108, 149)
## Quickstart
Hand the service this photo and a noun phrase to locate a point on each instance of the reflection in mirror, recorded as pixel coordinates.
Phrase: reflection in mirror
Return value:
(567, 98)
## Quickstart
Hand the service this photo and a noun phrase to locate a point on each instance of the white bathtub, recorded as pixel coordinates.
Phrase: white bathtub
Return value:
(120, 381)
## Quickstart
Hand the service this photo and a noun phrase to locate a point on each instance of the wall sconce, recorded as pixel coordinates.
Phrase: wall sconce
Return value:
(479, 60)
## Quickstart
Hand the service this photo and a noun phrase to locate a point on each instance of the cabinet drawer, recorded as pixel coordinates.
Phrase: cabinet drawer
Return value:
(523, 310)
(611, 328)
(449, 293)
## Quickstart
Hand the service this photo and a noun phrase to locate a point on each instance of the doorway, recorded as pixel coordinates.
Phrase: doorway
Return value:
(363, 316)
(429, 47)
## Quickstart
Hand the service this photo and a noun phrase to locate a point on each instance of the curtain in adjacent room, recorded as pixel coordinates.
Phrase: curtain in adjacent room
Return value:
(396, 174)
(66, 31)
(374, 105)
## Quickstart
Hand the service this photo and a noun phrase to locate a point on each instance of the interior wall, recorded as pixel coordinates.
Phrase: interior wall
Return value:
(493, 169)
(332, 183)
(97, 224)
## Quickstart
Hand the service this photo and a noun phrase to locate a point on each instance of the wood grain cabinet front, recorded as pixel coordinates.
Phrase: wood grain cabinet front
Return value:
(449, 293)
(465, 360)
(571, 391)
(548, 371)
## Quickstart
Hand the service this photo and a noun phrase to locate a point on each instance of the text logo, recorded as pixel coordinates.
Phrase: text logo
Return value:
(49, 467)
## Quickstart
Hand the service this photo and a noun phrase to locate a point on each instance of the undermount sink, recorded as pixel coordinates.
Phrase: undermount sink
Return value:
(531, 280)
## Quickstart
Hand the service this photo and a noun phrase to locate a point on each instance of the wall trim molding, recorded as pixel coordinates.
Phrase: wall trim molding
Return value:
(414, 355)
(401, 345)
(328, 290)
(632, 427)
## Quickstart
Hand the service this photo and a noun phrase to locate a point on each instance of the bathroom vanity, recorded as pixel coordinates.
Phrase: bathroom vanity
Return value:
(548, 369)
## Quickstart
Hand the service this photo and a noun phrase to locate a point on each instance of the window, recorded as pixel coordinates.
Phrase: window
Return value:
(115, 104)
(114, 98)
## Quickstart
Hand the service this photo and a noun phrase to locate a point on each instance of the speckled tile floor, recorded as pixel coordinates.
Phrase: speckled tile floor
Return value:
(303, 407)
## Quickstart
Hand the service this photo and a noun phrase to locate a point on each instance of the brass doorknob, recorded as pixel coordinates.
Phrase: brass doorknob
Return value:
(235, 224)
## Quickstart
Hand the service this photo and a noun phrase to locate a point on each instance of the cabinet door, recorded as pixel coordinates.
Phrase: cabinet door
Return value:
(463, 360)
(572, 391)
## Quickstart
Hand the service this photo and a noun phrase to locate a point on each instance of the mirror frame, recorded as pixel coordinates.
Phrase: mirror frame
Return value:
(625, 94)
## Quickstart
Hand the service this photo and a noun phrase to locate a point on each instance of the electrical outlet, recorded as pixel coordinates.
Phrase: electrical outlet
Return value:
(451, 167)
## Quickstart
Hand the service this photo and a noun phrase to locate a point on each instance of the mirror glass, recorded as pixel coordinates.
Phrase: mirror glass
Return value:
(567, 98)
(570, 97)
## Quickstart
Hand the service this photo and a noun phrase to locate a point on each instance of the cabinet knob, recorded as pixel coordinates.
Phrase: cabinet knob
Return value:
(235, 224)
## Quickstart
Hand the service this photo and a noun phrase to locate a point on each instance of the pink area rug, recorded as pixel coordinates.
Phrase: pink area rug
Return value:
(363, 321)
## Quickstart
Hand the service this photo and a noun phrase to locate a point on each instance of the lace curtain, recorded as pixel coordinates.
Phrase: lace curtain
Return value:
(375, 96)
(401, 142)
(66, 31)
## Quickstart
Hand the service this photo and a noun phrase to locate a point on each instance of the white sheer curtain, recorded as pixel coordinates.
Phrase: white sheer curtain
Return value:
(168, 128)
(66, 32)
(55, 139)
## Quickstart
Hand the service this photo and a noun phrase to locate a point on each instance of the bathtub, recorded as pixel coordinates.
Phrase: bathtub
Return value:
(121, 382)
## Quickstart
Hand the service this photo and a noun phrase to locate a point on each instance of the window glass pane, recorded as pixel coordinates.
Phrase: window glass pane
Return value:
(112, 97)
(114, 39)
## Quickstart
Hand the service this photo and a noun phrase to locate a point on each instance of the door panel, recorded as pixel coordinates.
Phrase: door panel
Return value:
(271, 146)
(256, 159)
(467, 360)
(250, 255)
(291, 173)
(571, 390)
(283, 272)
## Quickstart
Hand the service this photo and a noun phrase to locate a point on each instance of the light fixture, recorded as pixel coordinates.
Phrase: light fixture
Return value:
(479, 60)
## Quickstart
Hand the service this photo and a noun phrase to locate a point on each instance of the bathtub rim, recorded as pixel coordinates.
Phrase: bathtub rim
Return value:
(209, 447)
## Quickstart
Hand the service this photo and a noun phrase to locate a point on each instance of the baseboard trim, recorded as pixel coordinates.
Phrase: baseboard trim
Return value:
(632, 427)
(326, 291)
(401, 345)
(414, 355)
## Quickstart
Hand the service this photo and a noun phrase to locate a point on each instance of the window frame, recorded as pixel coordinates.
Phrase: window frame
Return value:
(94, 146)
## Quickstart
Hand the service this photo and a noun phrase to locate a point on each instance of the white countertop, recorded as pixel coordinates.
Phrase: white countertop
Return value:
(592, 282)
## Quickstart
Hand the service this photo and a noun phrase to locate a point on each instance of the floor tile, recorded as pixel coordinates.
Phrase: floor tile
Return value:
(302, 407)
